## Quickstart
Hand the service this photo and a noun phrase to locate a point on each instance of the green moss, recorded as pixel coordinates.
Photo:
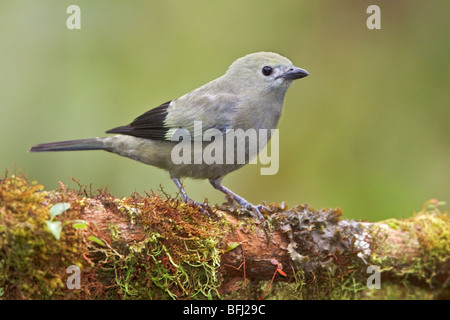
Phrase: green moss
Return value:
(33, 263)
(178, 258)
(418, 252)
(177, 255)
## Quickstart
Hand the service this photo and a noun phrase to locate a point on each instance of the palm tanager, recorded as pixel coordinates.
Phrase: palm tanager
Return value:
(249, 96)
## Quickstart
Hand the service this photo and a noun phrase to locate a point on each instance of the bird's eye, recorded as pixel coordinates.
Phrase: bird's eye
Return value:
(267, 70)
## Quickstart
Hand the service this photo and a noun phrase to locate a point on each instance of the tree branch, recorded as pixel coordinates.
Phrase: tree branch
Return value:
(155, 247)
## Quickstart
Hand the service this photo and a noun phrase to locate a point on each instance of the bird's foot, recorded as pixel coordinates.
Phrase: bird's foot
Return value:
(204, 207)
(255, 211)
(242, 206)
(261, 207)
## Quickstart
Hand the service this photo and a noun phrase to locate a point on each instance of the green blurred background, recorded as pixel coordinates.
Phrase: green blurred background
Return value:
(368, 131)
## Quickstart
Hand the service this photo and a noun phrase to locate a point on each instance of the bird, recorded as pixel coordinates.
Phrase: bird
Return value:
(249, 96)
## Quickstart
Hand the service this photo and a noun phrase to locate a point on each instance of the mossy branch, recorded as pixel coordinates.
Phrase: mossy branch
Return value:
(156, 247)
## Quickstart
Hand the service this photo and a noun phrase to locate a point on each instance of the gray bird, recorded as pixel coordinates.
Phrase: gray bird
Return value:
(249, 96)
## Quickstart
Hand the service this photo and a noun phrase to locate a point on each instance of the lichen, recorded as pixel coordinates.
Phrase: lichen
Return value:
(323, 249)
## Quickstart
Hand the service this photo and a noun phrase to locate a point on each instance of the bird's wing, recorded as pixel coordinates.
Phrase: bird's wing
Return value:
(213, 111)
(149, 125)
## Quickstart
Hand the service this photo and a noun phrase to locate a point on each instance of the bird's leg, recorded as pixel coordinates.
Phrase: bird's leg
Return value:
(217, 184)
(184, 195)
(204, 208)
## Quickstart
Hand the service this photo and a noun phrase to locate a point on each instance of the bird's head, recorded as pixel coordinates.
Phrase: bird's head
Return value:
(264, 71)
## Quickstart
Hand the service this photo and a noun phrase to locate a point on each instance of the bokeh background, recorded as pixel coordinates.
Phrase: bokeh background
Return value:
(368, 131)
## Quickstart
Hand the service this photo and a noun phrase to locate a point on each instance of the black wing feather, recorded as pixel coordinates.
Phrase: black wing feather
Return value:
(149, 125)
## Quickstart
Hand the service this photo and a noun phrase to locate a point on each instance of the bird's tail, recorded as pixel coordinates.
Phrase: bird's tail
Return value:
(72, 145)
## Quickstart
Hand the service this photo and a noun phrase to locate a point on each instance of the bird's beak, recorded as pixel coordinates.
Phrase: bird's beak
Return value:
(294, 73)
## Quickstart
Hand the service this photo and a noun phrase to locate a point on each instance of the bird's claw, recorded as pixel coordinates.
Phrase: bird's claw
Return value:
(204, 207)
(261, 207)
(250, 207)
